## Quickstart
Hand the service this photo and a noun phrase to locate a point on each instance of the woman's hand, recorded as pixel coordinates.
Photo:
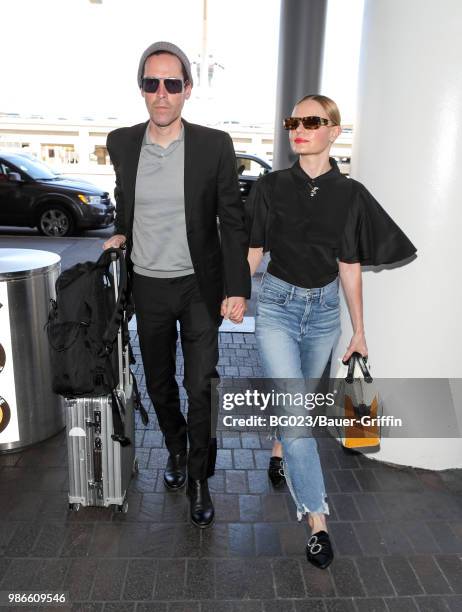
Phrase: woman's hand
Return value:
(233, 308)
(357, 345)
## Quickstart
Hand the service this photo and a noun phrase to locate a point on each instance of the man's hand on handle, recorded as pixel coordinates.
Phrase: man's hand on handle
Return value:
(233, 308)
(115, 242)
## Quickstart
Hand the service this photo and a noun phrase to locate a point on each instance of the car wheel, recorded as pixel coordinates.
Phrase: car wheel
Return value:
(55, 220)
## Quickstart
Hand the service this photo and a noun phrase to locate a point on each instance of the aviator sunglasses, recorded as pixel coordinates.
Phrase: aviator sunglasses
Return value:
(309, 123)
(172, 85)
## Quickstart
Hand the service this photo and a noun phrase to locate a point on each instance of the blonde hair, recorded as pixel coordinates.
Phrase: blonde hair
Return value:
(328, 105)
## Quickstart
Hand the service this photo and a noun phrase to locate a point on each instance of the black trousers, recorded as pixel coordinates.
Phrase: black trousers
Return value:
(159, 304)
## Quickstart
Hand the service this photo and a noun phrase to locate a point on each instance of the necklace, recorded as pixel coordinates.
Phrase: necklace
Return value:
(313, 189)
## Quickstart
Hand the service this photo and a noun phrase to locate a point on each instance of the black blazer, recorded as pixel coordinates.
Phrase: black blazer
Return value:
(211, 190)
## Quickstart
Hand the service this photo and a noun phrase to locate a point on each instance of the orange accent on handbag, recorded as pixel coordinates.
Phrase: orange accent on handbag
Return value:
(358, 435)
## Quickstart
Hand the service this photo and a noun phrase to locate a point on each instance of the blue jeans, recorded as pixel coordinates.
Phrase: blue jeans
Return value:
(296, 330)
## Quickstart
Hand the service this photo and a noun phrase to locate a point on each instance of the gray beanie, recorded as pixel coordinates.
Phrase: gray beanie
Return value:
(169, 48)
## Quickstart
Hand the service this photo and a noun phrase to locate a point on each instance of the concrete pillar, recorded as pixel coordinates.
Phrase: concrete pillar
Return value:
(301, 40)
(407, 150)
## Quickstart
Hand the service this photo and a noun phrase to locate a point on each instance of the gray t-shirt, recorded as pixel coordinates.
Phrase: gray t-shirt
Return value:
(160, 245)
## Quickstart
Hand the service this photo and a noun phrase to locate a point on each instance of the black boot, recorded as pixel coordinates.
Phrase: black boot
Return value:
(201, 510)
(175, 471)
(276, 472)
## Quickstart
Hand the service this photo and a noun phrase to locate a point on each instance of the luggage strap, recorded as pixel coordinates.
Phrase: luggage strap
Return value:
(119, 433)
(137, 401)
(112, 328)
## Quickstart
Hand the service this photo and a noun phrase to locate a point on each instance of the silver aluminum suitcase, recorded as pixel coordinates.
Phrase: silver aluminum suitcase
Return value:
(100, 469)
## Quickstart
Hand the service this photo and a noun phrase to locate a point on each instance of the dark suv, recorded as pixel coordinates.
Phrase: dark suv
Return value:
(32, 195)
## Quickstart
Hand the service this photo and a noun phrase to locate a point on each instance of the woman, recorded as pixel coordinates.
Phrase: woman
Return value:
(319, 226)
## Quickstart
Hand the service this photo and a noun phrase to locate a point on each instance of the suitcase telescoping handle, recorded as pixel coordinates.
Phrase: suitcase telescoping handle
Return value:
(114, 332)
(123, 349)
(120, 348)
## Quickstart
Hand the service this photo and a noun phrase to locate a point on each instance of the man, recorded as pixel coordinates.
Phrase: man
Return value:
(173, 179)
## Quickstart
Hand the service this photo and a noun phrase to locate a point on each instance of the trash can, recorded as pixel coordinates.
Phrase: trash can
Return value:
(29, 410)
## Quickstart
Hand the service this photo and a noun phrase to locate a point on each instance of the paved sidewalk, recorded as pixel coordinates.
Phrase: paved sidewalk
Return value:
(397, 532)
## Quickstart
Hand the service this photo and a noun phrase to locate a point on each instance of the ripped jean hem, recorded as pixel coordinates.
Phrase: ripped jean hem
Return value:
(302, 508)
(323, 510)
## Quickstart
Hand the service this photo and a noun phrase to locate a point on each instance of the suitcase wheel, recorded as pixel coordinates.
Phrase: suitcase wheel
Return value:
(75, 507)
(136, 467)
(123, 508)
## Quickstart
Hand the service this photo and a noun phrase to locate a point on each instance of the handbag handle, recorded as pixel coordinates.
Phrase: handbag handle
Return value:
(357, 357)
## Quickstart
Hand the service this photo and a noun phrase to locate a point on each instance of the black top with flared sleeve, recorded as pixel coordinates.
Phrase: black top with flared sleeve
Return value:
(307, 235)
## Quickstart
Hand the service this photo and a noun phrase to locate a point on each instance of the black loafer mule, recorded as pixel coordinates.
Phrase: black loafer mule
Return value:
(319, 550)
(276, 472)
